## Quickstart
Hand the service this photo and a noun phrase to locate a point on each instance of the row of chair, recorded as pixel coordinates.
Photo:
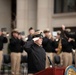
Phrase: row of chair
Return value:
(7, 63)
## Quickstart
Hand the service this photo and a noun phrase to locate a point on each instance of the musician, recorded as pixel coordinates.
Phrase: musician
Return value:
(48, 46)
(36, 54)
(58, 46)
(31, 33)
(3, 39)
(69, 34)
(67, 51)
(16, 48)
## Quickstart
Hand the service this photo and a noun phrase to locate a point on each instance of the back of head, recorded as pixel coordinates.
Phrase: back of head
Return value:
(46, 31)
(68, 30)
(31, 31)
(31, 28)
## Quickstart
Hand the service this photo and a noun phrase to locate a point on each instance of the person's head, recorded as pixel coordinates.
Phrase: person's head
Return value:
(15, 34)
(31, 31)
(58, 34)
(39, 40)
(47, 33)
(68, 30)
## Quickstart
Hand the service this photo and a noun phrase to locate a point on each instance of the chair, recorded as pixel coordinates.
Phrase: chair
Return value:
(6, 62)
(57, 59)
(24, 64)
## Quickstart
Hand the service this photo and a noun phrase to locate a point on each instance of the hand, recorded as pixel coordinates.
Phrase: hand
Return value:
(19, 37)
(23, 36)
(35, 39)
(4, 33)
(26, 38)
(7, 34)
(63, 27)
(70, 39)
(56, 49)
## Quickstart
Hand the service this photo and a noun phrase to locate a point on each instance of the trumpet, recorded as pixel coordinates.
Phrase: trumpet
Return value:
(5, 34)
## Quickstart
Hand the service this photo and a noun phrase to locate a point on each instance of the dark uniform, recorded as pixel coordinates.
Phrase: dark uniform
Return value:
(72, 35)
(36, 57)
(29, 37)
(16, 48)
(2, 41)
(48, 45)
(16, 45)
(67, 52)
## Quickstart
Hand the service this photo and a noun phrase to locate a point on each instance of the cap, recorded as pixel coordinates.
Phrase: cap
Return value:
(38, 35)
(58, 32)
(46, 31)
(38, 31)
(15, 31)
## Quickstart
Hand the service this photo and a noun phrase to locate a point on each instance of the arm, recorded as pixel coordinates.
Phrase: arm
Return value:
(70, 34)
(27, 46)
(64, 43)
(45, 41)
(22, 42)
(5, 40)
(72, 42)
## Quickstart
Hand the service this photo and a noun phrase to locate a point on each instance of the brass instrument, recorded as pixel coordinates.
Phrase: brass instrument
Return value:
(5, 34)
(59, 47)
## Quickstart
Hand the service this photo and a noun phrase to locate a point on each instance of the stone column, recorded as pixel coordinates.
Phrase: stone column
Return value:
(42, 14)
(21, 15)
(26, 15)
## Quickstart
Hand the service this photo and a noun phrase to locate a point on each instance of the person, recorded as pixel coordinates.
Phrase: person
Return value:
(36, 54)
(67, 51)
(58, 47)
(16, 47)
(3, 39)
(49, 47)
(70, 35)
(31, 33)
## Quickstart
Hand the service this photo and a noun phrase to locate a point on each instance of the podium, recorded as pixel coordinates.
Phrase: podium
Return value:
(52, 71)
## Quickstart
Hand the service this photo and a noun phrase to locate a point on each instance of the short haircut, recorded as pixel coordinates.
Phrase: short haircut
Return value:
(31, 28)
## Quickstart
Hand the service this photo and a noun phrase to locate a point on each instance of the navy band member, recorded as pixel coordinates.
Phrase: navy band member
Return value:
(31, 33)
(58, 46)
(67, 51)
(48, 46)
(16, 48)
(3, 40)
(73, 36)
(70, 34)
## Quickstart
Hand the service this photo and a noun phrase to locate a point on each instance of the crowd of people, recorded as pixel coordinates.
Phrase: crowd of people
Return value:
(43, 49)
